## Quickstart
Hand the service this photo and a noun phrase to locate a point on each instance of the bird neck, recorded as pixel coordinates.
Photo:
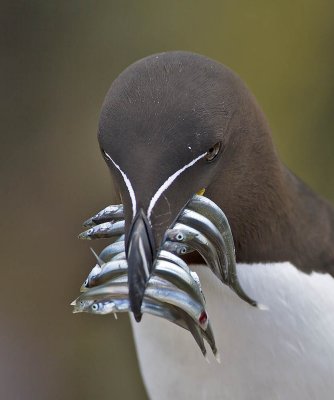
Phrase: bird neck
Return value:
(309, 223)
(287, 221)
(273, 215)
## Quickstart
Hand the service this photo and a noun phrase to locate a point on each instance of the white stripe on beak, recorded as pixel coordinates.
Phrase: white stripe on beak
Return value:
(128, 185)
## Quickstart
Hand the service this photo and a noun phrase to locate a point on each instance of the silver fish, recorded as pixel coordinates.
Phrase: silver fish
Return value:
(166, 255)
(110, 270)
(155, 290)
(120, 256)
(209, 230)
(197, 203)
(122, 304)
(81, 305)
(110, 213)
(178, 277)
(209, 209)
(95, 271)
(149, 306)
(176, 248)
(169, 271)
(196, 279)
(101, 307)
(120, 238)
(105, 230)
(197, 241)
(112, 250)
(208, 335)
(225, 248)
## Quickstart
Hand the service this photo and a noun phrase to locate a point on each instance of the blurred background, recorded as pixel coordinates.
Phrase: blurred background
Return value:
(58, 59)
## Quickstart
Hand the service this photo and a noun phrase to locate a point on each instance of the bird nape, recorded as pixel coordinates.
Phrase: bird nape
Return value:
(174, 124)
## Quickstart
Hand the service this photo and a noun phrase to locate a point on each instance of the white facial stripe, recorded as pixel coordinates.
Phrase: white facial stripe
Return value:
(167, 183)
(128, 185)
(142, 253)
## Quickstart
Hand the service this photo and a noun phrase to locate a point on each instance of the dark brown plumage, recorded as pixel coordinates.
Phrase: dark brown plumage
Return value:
(166, 109)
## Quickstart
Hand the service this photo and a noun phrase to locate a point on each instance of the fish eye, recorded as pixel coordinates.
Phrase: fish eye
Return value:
(213, 152)
(179, 236)
(95, 307)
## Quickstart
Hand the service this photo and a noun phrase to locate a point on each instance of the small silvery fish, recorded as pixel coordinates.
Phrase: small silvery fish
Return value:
(205, 207)
(80, 305)
(166, 255)
(95, 271)
(170, 271)
(210, 210)
(178, 277)
(173, 291)
(177, 248)
(197, 241)
(153, 307)
(209, 230)
(105, 230)
(112, 212)
(110, 270)
(205, 226)
(120, 256)
(157, 289)
(112, 250)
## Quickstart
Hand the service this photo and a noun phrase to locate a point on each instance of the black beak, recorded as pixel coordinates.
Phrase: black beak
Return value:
(140, 253)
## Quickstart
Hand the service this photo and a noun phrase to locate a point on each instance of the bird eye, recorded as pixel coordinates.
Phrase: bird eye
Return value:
(86, 282)
(183, 250)
(213, 152)
(95, 307)
(105, 155)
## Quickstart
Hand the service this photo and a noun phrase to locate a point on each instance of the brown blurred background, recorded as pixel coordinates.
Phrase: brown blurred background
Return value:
(57, 62)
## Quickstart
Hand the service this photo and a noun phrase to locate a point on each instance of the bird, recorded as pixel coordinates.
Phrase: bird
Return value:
(175, 123)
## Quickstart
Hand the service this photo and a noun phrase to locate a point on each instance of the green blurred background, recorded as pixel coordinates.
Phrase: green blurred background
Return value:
(57, 61)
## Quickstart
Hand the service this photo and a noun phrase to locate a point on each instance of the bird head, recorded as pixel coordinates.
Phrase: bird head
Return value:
(164, 126)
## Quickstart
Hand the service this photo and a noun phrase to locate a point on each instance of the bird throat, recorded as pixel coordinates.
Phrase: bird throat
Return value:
(275, 217)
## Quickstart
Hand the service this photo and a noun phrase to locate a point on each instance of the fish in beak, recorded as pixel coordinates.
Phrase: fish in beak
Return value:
(140, 255)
